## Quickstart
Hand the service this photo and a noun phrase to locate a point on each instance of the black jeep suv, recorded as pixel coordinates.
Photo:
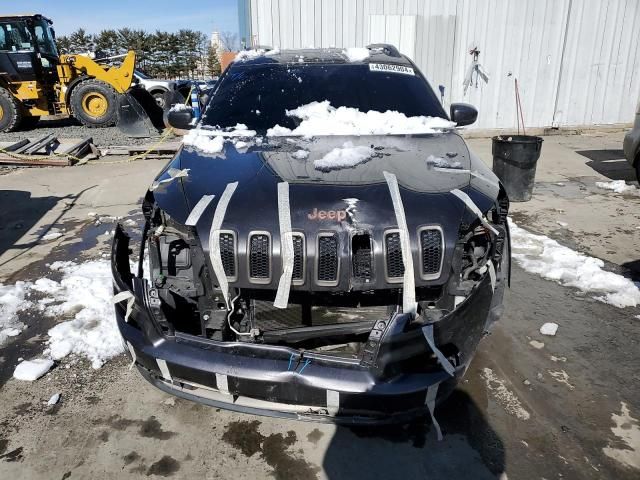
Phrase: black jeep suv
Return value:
(316, 249)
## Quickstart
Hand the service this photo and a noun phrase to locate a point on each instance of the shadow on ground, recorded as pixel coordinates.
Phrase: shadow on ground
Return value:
(19, 212)
(610, 163)
(470, 448)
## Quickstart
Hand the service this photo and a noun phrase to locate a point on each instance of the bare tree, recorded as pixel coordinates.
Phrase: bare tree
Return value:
(229, 41)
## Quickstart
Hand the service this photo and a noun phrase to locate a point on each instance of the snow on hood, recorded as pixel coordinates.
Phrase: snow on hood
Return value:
(344, 157)
(320, 118)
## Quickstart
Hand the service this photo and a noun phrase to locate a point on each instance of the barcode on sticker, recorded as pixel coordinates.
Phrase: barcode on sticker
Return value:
(385, 67)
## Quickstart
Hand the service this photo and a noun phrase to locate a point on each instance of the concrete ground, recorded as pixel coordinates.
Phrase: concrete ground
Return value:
(530, 406)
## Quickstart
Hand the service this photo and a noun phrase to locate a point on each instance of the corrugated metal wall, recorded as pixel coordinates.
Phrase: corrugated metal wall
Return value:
(577, 61)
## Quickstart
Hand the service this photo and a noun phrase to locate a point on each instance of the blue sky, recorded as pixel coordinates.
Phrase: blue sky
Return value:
(150, 15)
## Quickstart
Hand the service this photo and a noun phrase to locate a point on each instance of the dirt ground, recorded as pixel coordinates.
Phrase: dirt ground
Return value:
(530, 406)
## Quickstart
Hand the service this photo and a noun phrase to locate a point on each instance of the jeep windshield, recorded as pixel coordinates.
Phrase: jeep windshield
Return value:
(258, 95)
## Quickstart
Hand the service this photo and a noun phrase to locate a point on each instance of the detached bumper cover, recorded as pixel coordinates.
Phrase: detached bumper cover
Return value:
(280, 381)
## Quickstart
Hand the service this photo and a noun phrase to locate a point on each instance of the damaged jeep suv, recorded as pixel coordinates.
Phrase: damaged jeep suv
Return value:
(324, 246)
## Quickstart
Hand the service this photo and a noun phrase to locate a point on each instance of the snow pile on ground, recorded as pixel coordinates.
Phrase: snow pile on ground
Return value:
(344, 157)
(617, 186)
(30, 370)
(85, 292)
(549, 329)
(547, 258)
(356, 54)
(13, 299)
(320, 118)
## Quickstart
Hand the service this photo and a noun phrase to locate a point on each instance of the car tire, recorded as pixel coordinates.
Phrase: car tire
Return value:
(638, 168)
(160, 99)
(94, 103)
(11, 113)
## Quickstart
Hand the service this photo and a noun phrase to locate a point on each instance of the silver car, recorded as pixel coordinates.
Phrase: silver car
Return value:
(155, 87)
(631, 144)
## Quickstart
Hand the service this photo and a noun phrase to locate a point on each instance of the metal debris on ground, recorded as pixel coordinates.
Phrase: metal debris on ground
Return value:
(48, 151)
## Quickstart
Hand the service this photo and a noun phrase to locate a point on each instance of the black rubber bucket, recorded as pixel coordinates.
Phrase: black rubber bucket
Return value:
(514, 162)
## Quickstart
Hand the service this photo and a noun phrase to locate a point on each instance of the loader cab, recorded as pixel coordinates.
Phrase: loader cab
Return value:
(28, 50)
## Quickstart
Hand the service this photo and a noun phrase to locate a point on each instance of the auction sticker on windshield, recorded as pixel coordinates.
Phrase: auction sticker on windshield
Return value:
(385, 67)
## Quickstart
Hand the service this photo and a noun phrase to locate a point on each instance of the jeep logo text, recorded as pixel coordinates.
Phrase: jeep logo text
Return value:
(337, 215)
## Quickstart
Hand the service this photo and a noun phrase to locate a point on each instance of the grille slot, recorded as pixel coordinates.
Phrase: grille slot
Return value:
(228, 253)
(298, 258)
(361, 260)
(393, 256)
(259, 257)
(431, 252)
(327, 260)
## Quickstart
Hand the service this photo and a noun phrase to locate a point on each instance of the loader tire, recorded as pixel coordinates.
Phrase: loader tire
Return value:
(10, 112)
(94, 103)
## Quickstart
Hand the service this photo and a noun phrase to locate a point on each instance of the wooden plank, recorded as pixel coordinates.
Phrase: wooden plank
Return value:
(34, 162)
(14, 146)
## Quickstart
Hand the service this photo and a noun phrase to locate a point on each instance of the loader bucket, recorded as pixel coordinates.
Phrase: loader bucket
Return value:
(139, 115)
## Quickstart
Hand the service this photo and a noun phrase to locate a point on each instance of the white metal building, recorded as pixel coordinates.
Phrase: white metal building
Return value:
(577, 61)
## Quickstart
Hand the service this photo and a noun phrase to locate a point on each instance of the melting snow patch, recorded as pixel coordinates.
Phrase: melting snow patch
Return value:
(562, 377)
(627, 431)
(320, 118)
(345, 157)
(547, 258)
(55, 398)
(300, 154)
(549, 329)
(617, 186)
(504, 396)
(356, 54)
(30, 370)
(433, 161)
(52, 235)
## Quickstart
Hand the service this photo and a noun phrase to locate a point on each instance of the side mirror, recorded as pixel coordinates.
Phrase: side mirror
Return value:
(463, 114)
(179, 117)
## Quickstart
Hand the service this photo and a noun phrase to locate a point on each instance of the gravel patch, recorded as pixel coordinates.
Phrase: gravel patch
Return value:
(71, 128)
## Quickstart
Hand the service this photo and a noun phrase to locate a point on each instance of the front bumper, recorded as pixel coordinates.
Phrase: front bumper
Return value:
(284, 382)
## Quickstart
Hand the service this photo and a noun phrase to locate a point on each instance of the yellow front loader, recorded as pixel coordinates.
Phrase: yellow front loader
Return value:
(36, 81)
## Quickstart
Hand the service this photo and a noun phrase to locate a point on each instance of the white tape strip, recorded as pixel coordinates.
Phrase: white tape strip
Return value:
(409, 284)
(474, 208)
(162, 365)
(333, 402)
(214, 240)
(427, 331)
(492, 274)
(173, 174)
(432, 393)
(128, 296)
(222, 383)
(198, 210)
(133, 355)
(286, 246)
